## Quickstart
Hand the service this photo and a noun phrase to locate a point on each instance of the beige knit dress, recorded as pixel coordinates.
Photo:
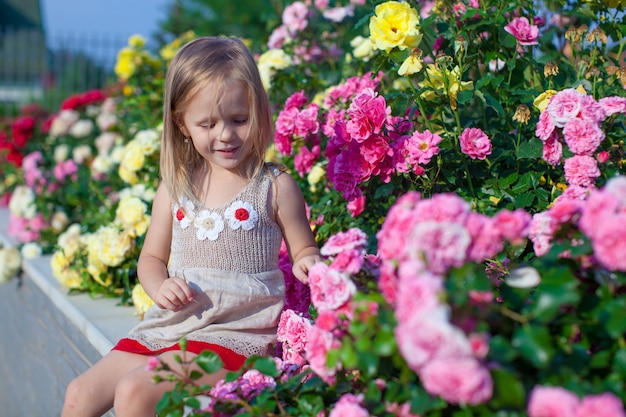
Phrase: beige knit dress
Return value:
(229, 256)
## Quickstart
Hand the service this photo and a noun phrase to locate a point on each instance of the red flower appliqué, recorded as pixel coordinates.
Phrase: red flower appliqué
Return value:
(180, 214)
(242, 214)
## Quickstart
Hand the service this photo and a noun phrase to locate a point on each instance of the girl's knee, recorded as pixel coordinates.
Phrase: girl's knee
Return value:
(78, 398)
(135, 392)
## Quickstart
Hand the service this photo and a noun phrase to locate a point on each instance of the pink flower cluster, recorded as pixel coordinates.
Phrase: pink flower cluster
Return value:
(297, 121)
(576, 119)
(558, 402)
(331, 294)
(419, 242)
(599, 213)
(26, 229)
(364, 139)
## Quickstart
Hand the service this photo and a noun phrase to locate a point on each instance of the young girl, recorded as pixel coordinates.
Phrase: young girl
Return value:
(210, 257)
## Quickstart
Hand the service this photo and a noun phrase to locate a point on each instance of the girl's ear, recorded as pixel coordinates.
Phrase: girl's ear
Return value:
(181, 127)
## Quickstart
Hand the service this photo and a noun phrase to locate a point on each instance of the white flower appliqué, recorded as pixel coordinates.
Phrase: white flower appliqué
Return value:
(184, 215)
(241, 214)
(208, 224)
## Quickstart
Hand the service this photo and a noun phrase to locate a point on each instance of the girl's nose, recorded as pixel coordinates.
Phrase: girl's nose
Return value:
(226, 133)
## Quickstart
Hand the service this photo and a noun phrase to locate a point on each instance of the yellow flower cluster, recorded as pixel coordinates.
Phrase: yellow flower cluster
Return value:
(107, 247)
(132, 57)
(442, 81)
(395, 25)
(169, 50)
(269, 62)
(132, 214)
(144, 144)
(141, 300)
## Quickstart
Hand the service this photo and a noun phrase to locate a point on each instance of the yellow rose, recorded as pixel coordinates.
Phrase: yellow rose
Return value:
(362, 48)
(131, 213)
(444, 81)
(134, 158)
(127, 175)
(315, 175)
(141, 300)
(542, 100)
(396, 24)
(412, 65)
(60, 265)
(111, 246)
(275, 58)
(125, 65)
(137, 41)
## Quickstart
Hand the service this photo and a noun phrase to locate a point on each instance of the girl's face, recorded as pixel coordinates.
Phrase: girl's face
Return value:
(219, 126)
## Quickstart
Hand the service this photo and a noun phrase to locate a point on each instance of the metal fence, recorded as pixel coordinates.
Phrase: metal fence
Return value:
(47, 68)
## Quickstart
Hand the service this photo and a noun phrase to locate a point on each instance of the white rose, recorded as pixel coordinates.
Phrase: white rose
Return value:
(31, 250)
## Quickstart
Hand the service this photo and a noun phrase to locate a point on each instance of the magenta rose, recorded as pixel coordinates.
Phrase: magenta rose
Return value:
(475, 143)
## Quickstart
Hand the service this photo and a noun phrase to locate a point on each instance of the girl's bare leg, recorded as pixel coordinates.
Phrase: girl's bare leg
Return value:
(91, 393)
(137, 395)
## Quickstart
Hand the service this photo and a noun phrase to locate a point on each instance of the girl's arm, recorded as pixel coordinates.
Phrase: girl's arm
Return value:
(291, 216)
(171, 293)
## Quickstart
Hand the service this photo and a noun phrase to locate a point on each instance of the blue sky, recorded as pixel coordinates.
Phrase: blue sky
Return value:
(110, 17)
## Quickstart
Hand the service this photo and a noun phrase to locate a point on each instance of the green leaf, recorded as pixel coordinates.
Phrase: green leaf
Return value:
(619, 362)
(266, 366)
(524, 200)
(494, 104)
(532, 149)
(612, 315)
(534, 344)
(508, 390)
(551, 297)
(209, 362)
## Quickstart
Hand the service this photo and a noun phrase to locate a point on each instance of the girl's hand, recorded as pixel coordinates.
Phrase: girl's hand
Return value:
(174, 293)
(303, 265)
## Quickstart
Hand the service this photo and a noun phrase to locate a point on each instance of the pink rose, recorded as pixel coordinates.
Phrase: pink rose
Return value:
(349, 405)
(356, 206)
(460, 380)
(295, 17)
(524, 32)
(613, 105)
(320, 342)
(552, 151)
(353, 238)
(545, 126)
(583, 136)
(581, 170)
(475, 143)
(443, 245)
(512, 225)
(424, 337)
(564, 106)
(609, 245)
(292, 331)
(601, 405)
(330, 289)
(417, 292)
(552, 402)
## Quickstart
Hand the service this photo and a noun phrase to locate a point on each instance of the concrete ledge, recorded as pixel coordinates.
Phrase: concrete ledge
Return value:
(49, 337)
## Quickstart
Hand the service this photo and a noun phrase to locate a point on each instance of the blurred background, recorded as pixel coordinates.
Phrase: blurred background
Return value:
(50, 49)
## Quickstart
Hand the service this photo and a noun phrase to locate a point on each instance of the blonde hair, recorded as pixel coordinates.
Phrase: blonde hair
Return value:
(219, 61)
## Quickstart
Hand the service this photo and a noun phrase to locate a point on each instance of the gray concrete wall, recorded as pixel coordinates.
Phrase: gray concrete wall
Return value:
(48, 337)
(40, 353)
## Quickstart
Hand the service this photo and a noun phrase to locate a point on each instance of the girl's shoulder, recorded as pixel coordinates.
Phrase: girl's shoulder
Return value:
(275, 168)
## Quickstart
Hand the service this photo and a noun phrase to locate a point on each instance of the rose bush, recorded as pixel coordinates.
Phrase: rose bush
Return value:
(461, 162)
(463, 167)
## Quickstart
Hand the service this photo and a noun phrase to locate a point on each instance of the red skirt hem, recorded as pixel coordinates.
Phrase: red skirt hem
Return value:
(232, 361)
